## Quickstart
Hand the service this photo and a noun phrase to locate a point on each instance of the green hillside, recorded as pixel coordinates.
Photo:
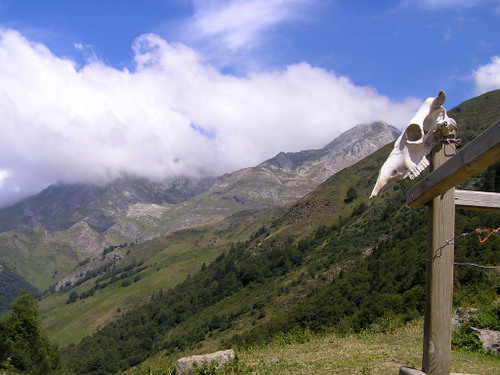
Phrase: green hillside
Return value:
(333, 262)
(119, 286)
(37, 257)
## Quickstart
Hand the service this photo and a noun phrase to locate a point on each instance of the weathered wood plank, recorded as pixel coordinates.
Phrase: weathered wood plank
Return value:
(410, 371)
(477, 200)
(476, 156)
(439, 278)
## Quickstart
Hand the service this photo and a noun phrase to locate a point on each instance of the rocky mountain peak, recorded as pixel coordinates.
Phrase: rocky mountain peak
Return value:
(347, 148)
(377, 130)
(290, 175)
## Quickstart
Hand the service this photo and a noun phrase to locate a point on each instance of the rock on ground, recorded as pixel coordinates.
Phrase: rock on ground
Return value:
(185, 365)
(489, 339)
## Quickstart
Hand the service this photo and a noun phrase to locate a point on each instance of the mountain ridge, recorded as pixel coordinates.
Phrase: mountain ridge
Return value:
(303, 170)
(58, 207)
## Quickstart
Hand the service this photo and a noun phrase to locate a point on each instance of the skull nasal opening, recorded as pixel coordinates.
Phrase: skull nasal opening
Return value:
(414, 133)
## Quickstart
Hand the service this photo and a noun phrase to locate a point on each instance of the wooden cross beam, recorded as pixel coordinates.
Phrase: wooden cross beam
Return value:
(477, 200)
(473, 158)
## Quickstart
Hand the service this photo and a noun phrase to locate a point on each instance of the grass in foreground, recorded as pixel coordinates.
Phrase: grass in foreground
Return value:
(368, 353)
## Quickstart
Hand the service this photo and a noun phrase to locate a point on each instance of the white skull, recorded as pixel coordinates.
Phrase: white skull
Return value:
(408, 158)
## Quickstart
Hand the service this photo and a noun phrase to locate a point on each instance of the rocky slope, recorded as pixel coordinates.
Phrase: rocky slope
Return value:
(289, 176)
(58, 208)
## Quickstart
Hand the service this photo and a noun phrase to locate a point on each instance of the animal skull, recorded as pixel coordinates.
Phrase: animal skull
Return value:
(408, 158)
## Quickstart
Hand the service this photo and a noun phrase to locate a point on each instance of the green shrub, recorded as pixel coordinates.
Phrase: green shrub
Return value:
(465, 338)
(486, 318)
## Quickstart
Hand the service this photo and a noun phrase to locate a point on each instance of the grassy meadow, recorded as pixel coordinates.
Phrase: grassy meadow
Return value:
(377, 351)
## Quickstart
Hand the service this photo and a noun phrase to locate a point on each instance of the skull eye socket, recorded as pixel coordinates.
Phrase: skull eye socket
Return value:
(413, 132)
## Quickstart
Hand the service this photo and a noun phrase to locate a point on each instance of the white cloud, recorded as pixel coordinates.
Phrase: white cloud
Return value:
(440, 4)
(230, 31)
(3, 176)
(487, 77)
(172, 115)
(239, 23)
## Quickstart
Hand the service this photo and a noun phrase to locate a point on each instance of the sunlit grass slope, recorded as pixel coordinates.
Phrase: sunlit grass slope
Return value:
(380, 350)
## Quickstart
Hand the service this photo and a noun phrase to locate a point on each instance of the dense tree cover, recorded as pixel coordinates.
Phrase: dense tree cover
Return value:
(141, 332)
(11, 286)
(389, 283)
(24, 346)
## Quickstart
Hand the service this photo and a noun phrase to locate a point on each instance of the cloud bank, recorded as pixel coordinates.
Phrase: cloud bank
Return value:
(172, 115)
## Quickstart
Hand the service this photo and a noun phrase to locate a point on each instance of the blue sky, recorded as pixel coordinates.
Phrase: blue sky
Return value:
(93, 90)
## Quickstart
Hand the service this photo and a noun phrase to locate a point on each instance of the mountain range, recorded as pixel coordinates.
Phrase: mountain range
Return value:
(46, 235)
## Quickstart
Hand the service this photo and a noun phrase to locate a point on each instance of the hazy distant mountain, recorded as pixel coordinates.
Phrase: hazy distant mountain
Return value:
(289, 176)
(57, 208)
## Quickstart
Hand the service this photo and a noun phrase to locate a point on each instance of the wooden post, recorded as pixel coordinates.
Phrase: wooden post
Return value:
(439, 276)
